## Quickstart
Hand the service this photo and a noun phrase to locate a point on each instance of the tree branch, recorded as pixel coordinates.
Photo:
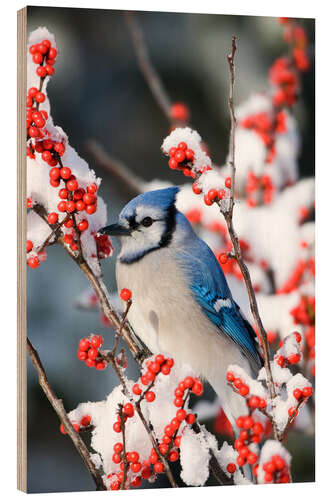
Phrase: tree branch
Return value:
(115, 167)
(228, 215)
(61, 412)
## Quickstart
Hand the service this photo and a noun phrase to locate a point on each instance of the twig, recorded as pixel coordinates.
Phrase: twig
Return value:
(61, 412)
(54, 232)
(115, 167)
(122, 324)
(152, 78)
(228, 215)
(122, 421)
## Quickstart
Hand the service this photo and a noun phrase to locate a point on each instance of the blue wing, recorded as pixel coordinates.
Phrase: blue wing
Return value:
(211, 291)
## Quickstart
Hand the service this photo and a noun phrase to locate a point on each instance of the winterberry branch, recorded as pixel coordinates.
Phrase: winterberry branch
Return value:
(115, 167)
(58, 406)
(122, 421)
(228, 215)
(137, 404)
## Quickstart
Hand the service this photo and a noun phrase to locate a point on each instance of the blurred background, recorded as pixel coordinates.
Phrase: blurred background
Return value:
(98, 92)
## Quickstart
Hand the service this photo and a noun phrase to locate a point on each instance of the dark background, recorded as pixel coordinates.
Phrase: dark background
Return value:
(98, 92)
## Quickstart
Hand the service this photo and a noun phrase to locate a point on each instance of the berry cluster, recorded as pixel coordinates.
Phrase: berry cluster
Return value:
(296, 36)
(89, 352)
(213, 195)
(301, 395)
(251, 431)
(291, 359)
(84, 422)
(259, 189)
(159, 365)
(181, 158)
(243, 389)
(276, 470)
(304, 313)
(266, 126)
(44, 56)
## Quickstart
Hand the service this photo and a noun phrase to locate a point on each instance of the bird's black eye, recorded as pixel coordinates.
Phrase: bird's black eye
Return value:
(147, 221)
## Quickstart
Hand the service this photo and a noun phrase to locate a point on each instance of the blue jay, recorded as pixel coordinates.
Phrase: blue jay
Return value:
(182, 304)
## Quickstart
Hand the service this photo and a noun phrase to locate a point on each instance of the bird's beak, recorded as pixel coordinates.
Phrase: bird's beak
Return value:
(115, 230)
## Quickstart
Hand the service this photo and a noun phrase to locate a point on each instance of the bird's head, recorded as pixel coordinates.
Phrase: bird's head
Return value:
(145, 224)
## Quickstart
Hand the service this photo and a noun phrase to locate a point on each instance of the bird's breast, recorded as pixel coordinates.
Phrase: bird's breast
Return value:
(165, 315)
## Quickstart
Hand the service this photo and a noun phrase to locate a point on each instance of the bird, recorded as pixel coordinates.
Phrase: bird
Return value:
(182, 304)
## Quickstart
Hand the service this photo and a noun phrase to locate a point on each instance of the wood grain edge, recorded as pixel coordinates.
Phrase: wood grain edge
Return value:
(21, 252)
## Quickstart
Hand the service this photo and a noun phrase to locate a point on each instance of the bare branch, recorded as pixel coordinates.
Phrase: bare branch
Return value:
(61, 412)
(115, 167)
(152, 78)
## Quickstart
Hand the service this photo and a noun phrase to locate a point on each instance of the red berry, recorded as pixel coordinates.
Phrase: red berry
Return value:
(244, 390)
(136, 467)
(190, 419)
(177, 441)
(41, 71)
(136, 389)
(230, 376)
(80, 205)
(46, 156)
(291, 411)
(69, 223)
(252, 458)
(65, 173)
(54, 173)
(52, 218)
(89, 198)
(240, 422)
(178, 402)
(179, 111)
(297, 394)
(128, 409)
(223, 258)
(82, 355)
(92, 188)
(37, 57)
(62, 430)
(298, 337)
(227, 182)
(29, 246)
(257, 428)
(133, 457)
(207, 200)
(158, 467)
(92, 353)
(221, 194)
(212, 194)
(159, 358)
(115, 485)
(85, 420)
(189, 153)
(240, 461)
(150, 396)
(294, 358)
(49, 69)
(179, 156)
(307, 392)
(116, 458)
(188, 381)
(173, 164)
(82, 225)
(195, 188)
(40, 97)
(72, 184)
(254, 401)
(100, 365)
(33, 262)
(172, 151)
(165, 369)
(197, 388)
(52, 53)
(117, 427)
(181, 415)
(91, 209)
(238, 383)
(248, 422)
(231, 468)
(173, 456)
(268, 477)
(70, 206)
(125, 294)
(32, 91)
(279, 462)
(118, 447)
(84, 344)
